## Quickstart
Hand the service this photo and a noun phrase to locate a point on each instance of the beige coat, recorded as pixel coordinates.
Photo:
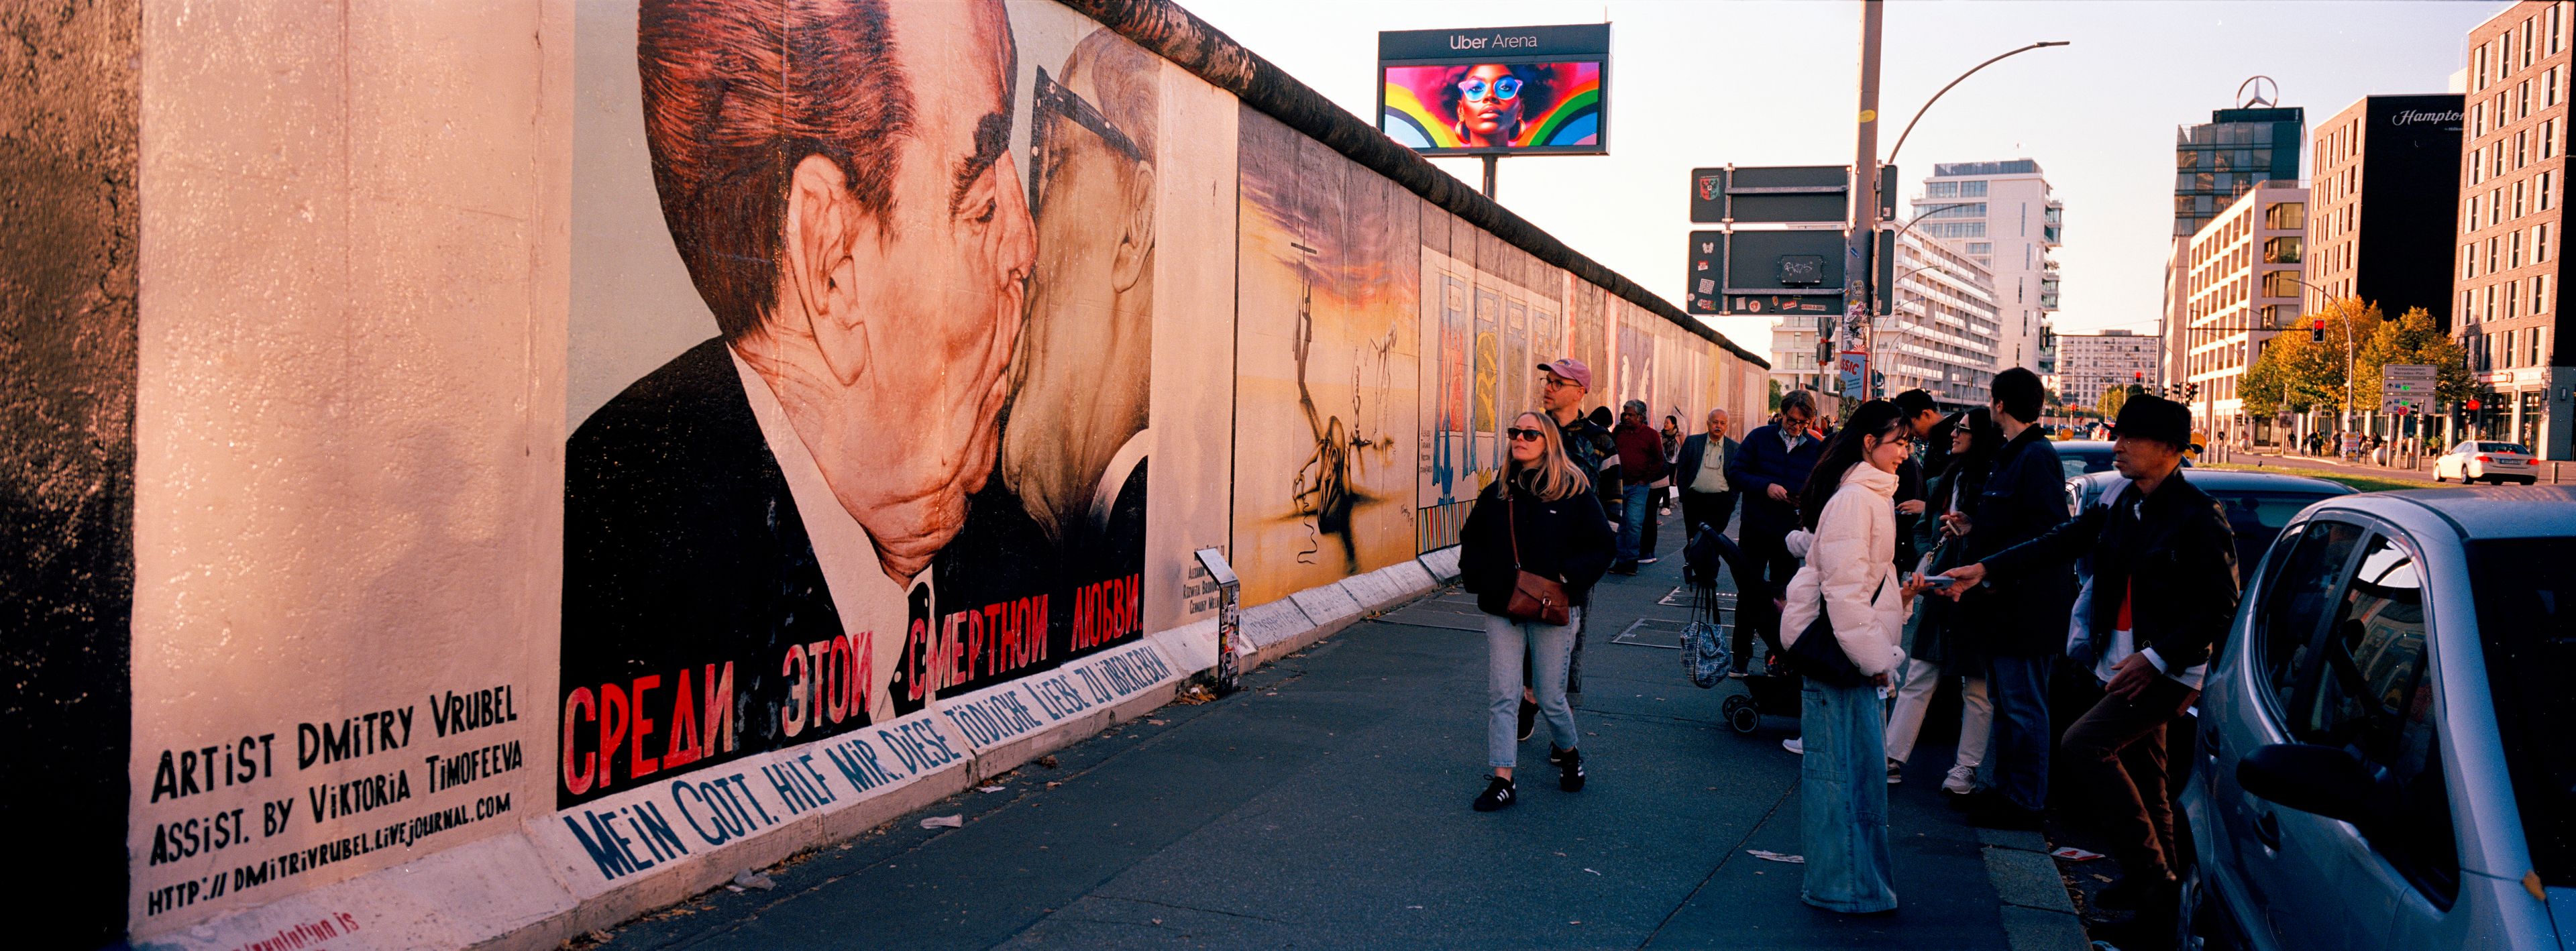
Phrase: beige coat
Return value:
(1850, 572)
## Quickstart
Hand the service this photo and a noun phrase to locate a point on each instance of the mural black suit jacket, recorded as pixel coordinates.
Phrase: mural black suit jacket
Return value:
(684, 548)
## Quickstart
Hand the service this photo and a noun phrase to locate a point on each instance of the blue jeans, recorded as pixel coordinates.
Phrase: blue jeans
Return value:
(2018, 754)
(1635, 503)
(1550, 645)
(1842, 800)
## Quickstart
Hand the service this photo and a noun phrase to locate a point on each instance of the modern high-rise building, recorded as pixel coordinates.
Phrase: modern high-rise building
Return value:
(2510, 289)
(2214, 164)
(2382, 206)
(2004, 215)
(2089, 364)
(1940, 334)
(2241, 287)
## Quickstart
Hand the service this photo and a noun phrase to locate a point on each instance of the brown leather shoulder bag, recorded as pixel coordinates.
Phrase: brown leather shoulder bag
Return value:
(1535, 598)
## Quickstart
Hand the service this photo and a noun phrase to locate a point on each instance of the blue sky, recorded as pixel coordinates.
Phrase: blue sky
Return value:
(1771, 83)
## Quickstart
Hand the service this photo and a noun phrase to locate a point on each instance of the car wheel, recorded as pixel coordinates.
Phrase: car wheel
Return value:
(2199, 923)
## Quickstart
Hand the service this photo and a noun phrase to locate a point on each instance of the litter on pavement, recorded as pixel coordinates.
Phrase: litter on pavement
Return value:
(1768, 856)
(944, 822)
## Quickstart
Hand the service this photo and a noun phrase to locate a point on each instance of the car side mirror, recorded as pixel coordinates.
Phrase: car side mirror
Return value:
(2320, 779)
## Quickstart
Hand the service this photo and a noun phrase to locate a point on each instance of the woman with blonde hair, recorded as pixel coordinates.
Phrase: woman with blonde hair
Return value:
(1531, 550)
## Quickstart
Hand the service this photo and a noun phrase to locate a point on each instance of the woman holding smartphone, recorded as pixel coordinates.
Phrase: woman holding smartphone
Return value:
(1942, 646)
(1538, 518)
(1848, 590)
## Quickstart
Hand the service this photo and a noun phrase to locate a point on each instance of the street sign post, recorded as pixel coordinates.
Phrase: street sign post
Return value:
(2407, 389)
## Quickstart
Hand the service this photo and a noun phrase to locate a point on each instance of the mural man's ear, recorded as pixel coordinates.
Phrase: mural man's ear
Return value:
(1136, 246)
(823, 228)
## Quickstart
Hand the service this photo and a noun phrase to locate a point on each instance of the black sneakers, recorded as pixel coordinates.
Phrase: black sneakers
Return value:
(1529, 718)
(1569, 764)
(1497, 794)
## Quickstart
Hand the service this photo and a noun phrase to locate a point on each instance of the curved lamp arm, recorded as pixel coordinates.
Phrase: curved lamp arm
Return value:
(1936, 97)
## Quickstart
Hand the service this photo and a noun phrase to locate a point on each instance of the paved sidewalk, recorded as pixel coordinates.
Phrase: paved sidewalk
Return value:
(1326, 806)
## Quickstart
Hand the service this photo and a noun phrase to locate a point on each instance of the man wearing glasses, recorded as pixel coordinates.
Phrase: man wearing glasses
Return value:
(1074, 444)
(1771, 470)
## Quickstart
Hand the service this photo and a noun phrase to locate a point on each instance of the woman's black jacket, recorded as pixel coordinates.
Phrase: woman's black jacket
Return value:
(1567, 540)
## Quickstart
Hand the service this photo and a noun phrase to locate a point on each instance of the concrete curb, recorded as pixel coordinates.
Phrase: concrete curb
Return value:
(523, 889)
(2037, 914)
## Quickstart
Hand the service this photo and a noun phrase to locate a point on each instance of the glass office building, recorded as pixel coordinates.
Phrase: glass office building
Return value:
(2218, 162)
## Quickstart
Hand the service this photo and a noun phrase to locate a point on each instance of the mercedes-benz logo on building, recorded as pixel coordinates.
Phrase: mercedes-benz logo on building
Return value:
(2258, 91)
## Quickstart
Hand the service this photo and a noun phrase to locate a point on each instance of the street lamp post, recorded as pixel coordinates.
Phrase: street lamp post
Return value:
(1856, 301)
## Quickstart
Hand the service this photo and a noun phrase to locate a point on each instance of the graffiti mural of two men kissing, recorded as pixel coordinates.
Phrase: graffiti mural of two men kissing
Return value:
(911, 462)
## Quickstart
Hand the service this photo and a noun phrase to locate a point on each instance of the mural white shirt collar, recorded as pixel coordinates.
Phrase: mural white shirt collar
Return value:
(867, 600)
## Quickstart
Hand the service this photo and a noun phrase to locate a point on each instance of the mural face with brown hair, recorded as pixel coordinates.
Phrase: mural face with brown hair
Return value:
(751, 529)
(891, 331)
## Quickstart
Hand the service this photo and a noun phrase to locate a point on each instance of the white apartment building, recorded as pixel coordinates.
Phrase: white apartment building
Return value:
(2241, 289)
(2089, 364)
(2004, 215)
(1940, 335)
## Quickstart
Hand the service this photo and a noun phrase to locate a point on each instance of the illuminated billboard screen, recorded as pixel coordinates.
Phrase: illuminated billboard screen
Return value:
(1503, 90)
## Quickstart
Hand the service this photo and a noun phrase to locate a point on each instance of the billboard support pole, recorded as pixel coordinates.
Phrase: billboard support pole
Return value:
(1491, 161)
(1857, 332)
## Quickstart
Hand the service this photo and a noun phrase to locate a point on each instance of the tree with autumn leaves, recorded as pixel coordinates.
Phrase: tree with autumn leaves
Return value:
(2299, 374)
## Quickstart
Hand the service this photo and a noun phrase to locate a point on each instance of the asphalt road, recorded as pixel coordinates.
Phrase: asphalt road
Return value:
(1326, 805)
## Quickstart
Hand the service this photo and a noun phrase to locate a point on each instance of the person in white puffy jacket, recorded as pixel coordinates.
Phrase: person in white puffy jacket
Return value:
(1850, 581)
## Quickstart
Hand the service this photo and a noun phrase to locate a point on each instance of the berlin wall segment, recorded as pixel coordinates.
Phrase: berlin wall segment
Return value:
(817, 570)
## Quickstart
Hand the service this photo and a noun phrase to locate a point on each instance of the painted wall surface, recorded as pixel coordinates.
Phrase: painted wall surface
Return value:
(348, 440)
(572, 440)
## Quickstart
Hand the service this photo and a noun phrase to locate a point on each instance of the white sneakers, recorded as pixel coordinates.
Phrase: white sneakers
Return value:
(1961, 781)
(1794, 745)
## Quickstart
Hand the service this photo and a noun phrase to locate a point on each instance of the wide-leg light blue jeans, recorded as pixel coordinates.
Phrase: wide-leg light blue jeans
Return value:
(1842, 800)
(1550, 645)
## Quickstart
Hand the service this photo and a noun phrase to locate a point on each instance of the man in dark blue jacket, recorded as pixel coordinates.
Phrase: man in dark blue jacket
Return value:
(2023, 620)
(1770, 470)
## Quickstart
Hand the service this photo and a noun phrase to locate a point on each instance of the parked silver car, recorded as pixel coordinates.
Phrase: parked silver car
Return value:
(2387, 753)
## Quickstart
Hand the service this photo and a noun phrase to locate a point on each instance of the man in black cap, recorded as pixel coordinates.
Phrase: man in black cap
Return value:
(2164, 593)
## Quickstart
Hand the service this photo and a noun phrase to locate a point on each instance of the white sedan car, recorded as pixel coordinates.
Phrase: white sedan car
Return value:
(2497, 462)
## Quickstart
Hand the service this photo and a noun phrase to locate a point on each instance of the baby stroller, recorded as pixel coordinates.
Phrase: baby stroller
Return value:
(1773, 691)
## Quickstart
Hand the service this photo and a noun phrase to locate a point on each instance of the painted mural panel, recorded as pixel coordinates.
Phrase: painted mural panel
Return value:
(908, 457)
(1484, 337)
(1325, 411)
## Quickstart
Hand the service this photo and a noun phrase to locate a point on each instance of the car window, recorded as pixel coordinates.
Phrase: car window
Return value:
(2079, 463)
(2528, 635)
(2296, 601)
(2371, 697)
(2502, 447)
(2257, 517)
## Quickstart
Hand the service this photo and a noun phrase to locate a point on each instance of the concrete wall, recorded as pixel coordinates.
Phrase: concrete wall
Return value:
(556, 486)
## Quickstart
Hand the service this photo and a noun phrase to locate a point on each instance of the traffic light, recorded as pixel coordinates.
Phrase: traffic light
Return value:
(2317, 331)
(2473, 404)
(2190, 391)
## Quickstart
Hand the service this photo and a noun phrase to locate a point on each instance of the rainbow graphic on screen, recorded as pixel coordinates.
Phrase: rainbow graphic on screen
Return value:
(1516, 106)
